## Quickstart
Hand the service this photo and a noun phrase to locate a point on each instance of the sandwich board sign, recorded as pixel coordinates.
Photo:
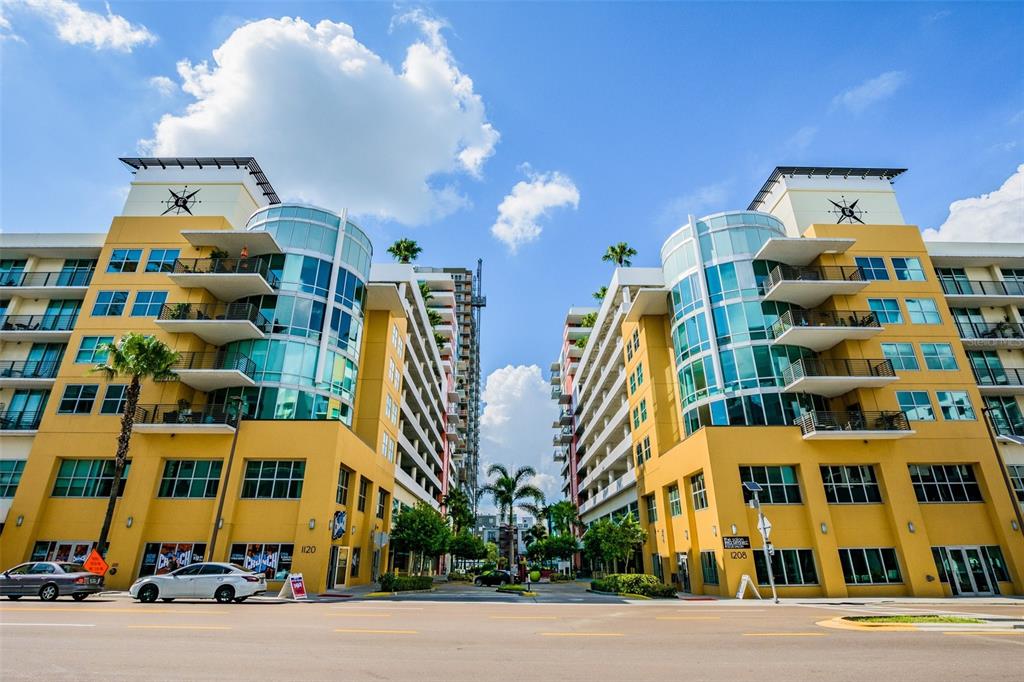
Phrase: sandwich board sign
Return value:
(294, 587)
(746, 582)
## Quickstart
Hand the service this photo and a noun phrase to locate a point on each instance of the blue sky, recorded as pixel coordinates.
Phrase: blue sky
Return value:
(618, 118)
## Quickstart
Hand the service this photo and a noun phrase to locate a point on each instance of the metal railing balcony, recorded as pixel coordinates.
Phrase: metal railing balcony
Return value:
(20, 420)
(853, 425)
(999, 380)
(825, 318)
(225, 266)
(226, 312)
(833, 377)
(974, 287)
(29, 369)
(46, 322)
(177, 418)
(820, 330)
(813, 273)
(809, 286)
(76, 278)
(990, 330)
(215, 360)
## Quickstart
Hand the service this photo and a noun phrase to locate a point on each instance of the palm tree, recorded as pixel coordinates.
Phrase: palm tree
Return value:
(138, 357)
(425, 291)
(620, 254)
(405, 250)
(600, 294)
(564, 517)
(511, 490)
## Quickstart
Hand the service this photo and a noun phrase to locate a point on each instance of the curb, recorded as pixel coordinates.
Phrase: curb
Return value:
(841, 623)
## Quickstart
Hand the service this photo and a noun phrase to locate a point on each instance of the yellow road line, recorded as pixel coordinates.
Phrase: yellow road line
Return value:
(376, 632)
(784, 634)
(581, 634)
(688, 618)
(179, 627)
(524, 617)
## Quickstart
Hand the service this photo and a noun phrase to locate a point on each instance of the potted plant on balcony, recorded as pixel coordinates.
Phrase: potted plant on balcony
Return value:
(180, 311)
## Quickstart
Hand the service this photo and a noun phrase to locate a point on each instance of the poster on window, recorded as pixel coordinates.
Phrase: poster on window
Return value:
(56, 550)
(163, 557)
(272, 560)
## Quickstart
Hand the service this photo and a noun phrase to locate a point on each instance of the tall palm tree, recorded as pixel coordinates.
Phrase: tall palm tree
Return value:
(405, 250)
(619, 254)
(138, 357)
(511, 490)
(600, 294)
(425, 291)
(564, 517)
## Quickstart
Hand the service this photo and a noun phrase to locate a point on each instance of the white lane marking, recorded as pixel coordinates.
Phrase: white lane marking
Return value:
(51, 625)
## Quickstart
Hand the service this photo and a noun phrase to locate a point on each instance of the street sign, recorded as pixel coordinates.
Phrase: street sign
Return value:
(96, 564)
(765, 527)
(736, 541)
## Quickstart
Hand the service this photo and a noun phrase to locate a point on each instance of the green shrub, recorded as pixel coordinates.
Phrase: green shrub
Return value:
(389, 582)
(633, 583)
(534, 576)
(561, 578)
(456, 575)
(512, 588)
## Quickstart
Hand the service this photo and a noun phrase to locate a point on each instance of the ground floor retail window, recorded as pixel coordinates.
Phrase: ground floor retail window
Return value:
(271, 559)
(75, 552)
(870, 566)
(164, 557)
(789, 566)
(709, 568)
(971, 570)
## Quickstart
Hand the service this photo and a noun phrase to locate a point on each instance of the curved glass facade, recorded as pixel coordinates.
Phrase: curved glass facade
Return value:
(729, 372)
(307, 366)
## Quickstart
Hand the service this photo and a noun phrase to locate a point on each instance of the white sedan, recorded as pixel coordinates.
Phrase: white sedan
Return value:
(208, 580)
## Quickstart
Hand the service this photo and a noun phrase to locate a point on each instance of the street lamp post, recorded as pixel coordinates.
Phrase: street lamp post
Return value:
(237, 403)
(764, 526)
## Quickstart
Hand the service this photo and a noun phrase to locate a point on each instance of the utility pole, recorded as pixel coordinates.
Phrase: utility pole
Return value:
(764, 526)
(236, 402)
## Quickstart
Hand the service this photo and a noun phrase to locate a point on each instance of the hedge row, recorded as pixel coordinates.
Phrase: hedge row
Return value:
(633, 583)
(389, 582)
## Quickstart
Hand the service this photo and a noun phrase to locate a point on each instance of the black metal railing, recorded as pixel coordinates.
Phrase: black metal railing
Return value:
(990, 330)
(812, 273)
(20, 420)
(185, 414)
(824, 318)
(999, 376)
(830, 367)
(1007, 428)
(72, 278)
(230, 312)
(29, 369)
(226, 266)
(852, 421)
(975, 287)
(45, 322)
(215, 360)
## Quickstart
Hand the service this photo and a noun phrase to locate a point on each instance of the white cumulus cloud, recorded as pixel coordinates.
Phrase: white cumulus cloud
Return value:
(77, 26)
(515, 427)
(163, 85)
(520, 212)
(995, 217)
(873, 90)
(331, 122)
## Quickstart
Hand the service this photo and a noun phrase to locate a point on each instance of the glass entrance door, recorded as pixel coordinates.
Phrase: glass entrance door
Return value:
(339, 564)
(969, 573)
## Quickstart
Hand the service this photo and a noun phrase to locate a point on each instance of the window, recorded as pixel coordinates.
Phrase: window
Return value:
(364, 490)
(190, 478)
(955, 405)
(78, 399)
(162, 260)
(629, 351)
(124, 260)
(391, 408)
(110, 303)
(274, 561)
(873, 268)
(945, 483)
(652, 508)
(789, 567)
(917, 405)
(922, 311)
(698, 491)
(901, 355)
(709, 568)
(850, 484)
(778, 484)
(636, 339)
(396, 340)
(636, 417)
(273, 479)
(886, 309)
(908, 269)
(91, 352)
(10, 476)
(870, 566)
(632, 384)
(159, 558)
(382, 503)
(938, 356)
(1016, 479)
(87, 478)
(344, 476)
(393, 374)
(997, 563)
(643, 450)
(148, 303)
(643, 410)
(675, 505)
(354, 563)
(114, 400)
(387, 446)
(640, 374)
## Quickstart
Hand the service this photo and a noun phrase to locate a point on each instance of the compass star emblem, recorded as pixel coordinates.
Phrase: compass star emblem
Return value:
(181, 203)
(847, 212)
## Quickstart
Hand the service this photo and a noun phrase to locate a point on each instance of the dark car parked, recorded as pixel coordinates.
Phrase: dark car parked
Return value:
(491, 578)
(49, 580)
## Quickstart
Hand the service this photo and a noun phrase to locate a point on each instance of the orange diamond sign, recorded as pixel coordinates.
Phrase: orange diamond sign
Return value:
(96, 564)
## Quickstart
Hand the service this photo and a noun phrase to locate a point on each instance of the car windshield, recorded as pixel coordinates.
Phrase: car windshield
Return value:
(72, 568)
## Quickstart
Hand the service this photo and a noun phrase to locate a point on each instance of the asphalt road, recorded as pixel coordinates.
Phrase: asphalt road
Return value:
(440, 636)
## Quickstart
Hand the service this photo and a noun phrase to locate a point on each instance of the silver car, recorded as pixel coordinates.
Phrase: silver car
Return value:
(49, 580)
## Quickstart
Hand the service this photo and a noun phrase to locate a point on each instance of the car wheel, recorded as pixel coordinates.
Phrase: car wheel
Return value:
(478, 582)
(239, 600)
(167, 599)
(224, 594)
(79, 596)
(49, 592)
(148, 594)
(502, 583)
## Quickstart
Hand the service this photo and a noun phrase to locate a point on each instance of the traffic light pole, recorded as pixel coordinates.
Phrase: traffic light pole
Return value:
(764, 546)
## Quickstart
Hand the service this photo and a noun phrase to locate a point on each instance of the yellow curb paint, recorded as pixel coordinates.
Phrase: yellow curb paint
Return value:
(785, 634)
(581, 634)
(362, 631)
(179, 627)
(841, 624)
(688, 618)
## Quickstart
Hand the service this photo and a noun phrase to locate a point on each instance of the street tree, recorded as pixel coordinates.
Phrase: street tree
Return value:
(423, 532)
(509, 491)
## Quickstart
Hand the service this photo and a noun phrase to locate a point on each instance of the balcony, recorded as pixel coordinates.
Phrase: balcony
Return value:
(20, 422)
(67, 285)
(800, 250)
(559, 455)
(978, 293)
(854, 425)
(258, 242)
(820, 330)
(211, 371)
(43, 328)
(208, 419)
(1008, 432)
(215, 323)
(563, 436)
(28, 373)
(832, 377)
(226, 278)
(990, 335)
(999, 380)
(810, 286)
